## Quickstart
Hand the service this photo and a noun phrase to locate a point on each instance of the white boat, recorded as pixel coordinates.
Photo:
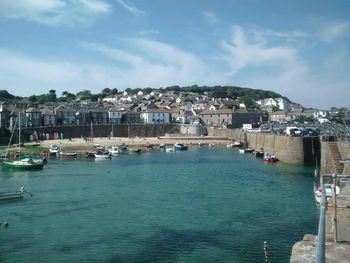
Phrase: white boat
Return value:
(13, 195)
(54, 149)
(24, 164)
(169, 149)
(329, 192)
(241, 151)
(180, 147)
(103, 155)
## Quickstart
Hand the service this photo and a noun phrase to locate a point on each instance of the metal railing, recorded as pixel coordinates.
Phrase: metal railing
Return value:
(320, 249)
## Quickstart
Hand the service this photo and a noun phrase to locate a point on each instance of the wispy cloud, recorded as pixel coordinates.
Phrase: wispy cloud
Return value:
(55, 12)
(156, 63)
(210, 17)
(333, 31)
(241, 52)
(130, 7)
(148, 32)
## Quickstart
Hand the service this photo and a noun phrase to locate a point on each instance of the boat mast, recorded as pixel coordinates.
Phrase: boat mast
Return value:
(19, 131)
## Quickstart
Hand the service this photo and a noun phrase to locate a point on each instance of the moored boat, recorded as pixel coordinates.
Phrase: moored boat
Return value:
(103, 155)
(268, 157)
(13, 195)
(180, 147)
(54, 149)
(23, 164)
(69, 154)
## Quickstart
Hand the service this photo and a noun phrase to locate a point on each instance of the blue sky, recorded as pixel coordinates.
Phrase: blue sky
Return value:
(299, 48)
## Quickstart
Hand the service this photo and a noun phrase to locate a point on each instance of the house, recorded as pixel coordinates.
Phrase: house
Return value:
(114, 116)
(65, 115)
(280, 116)
(131, 117)
(48, 117)
(155, 116)
(99, 115)
(33, 117)
(4, 115)
(83, 116)
(217, 118)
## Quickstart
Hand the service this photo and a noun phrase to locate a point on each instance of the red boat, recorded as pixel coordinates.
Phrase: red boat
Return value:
(268, 157)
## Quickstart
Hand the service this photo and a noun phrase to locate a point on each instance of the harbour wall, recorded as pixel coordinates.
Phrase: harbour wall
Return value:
(77, 131)
(293, 150)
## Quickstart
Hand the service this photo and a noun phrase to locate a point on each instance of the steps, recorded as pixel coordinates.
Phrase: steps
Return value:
(336, 157)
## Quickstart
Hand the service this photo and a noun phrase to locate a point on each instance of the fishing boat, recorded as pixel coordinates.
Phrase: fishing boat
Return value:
(13, 195)
(259, 153)
(22, 162)
(180, 147)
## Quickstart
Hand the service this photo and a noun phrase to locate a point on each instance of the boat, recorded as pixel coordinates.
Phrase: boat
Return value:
(241, 151)
(180, 147)
(103, 155)
(259, 153)
(13, 195)
(69, 154)
(236, 144)
(54, 149)
(210, 145)
(135, 150)
(115, 151)
(162, 146)
(329, 192)
(268, 157)
(229, 145)
(90, 154)
(169, 149)
(23, 164)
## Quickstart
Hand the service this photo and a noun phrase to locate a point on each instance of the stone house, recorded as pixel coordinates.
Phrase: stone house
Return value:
(33, 117)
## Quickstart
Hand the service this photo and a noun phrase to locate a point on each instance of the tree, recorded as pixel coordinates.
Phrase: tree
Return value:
(248, 101)
(106, 91)
(84, 94)
(51, 96)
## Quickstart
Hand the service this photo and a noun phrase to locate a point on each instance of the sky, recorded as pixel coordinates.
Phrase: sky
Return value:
(298, 48)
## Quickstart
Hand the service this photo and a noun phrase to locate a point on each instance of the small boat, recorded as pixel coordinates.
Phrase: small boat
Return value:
(169, 149)
(24, 164)
(259, 153)
(103, 155)
(241, 151)
(236, 144)
(329, 192)
(54, 149)
(90, 154)
(229, 145)
(248, 150)
(69, 154)
(135, 150)
(13, 195)
(162, 146)
(180, 147)
(268, 157)
(210, 145)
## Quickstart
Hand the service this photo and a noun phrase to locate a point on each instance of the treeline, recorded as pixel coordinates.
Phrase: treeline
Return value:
(211, 91)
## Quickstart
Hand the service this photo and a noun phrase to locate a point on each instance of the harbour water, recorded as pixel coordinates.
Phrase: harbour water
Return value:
(201, 205)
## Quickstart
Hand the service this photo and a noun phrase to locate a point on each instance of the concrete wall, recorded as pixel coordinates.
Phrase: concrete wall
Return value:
(122, 130)
(293, 150)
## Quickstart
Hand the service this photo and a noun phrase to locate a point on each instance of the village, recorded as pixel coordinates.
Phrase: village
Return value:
(136, 106)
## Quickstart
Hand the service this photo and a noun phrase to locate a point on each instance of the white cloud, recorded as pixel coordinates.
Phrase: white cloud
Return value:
(210, 17)
(130, 7)
(333, 31)
(153, 63)
(241, 52)
(148, 32)
(55, 12)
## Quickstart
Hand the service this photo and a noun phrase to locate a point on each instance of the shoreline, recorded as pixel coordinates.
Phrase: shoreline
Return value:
(80, 144)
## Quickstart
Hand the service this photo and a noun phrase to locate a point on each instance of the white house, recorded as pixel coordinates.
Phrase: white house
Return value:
(155, 116)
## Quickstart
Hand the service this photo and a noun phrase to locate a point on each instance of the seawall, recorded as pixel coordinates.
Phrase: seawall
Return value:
(292, 150)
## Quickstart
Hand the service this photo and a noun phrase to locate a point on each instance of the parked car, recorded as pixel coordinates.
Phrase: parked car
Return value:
(310, 132)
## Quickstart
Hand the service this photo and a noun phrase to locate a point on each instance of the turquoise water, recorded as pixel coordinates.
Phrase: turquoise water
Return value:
(202, 205)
